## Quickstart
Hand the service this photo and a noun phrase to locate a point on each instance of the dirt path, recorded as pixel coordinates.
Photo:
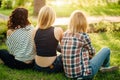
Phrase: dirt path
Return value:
(65, 20)
(3, 17)
(91, 19)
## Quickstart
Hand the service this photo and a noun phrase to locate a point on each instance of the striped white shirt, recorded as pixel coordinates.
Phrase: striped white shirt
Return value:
(20, 44)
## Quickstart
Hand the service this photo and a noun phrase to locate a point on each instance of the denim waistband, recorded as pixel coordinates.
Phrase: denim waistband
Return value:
(49, 67)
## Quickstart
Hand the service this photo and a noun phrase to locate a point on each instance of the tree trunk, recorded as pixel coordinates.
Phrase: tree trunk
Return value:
(38, 4)
(119, 2)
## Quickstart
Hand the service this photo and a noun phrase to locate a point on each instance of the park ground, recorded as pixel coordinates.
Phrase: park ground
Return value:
(110, 39)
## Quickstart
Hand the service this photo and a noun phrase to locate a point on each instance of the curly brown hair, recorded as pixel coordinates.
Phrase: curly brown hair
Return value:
(19, 17)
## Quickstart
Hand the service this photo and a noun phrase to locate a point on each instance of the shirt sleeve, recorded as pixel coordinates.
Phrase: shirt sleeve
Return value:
(88, 45)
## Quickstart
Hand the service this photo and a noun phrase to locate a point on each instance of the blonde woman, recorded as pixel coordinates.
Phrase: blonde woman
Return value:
(46, 40)
(78, 53)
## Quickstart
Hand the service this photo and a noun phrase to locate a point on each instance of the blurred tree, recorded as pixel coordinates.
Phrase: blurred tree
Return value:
(17, 3)
(0, 2)
(6, 4)
(38, 4)
(119, 2)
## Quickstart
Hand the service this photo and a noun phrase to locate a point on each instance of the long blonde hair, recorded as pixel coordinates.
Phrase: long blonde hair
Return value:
(46, 17)
(78, 22)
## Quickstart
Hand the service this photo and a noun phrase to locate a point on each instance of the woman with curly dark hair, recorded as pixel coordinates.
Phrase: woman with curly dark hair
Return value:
(20, 54)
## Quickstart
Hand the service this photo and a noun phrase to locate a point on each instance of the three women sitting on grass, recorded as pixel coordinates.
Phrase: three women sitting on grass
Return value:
(77, 53)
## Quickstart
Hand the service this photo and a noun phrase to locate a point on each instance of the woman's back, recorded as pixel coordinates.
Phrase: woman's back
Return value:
(75, 54)
(45, 42)
(19, 41)
(20, 44)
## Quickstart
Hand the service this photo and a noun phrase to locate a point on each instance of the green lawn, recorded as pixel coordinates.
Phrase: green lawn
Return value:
(109, 39)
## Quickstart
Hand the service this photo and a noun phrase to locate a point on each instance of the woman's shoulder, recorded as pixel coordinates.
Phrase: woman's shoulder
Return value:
(9, 32)
(58, 30)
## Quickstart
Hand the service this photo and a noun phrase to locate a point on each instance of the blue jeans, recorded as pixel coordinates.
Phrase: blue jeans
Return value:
(57, 66)
(102, 58)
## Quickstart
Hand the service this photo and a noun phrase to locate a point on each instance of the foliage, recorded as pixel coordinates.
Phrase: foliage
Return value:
(104, 26)
(91, 7)
(23, 3)
(6, 4)
(103, 10)
(3, 29)
(3, 26)
(11, 4)
(18, 3)
(7, 12)
(117, 27)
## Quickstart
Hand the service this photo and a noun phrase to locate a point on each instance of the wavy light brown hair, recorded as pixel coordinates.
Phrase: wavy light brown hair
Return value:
(18, 17)
(78, 22)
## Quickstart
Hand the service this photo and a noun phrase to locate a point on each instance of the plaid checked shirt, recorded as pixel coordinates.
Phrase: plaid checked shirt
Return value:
(75, 54)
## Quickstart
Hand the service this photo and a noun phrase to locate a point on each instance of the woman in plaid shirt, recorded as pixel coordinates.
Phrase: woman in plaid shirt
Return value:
(78, 52)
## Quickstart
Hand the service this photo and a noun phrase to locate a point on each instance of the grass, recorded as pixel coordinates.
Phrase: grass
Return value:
(5, 11)
(99, 40)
